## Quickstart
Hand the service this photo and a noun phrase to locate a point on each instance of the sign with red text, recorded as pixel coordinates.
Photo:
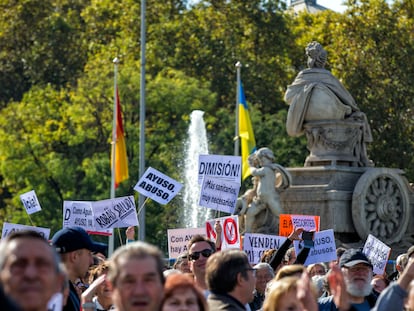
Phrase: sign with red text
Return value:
(287, 222)
(219, 194)
(30, 202)
(377, 252)
(178, 240)
(219, 166)
(230, 236)
(157, 186)
(255, 244)
(10, 228)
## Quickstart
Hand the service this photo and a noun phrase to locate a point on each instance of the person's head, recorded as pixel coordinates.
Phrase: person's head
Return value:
(290, 256)
(379, 283)
(267, 255)
(316, 269)
(282, 296)
(401, 262)
(136, 277)
(317, 56)
(319, 282)
(229, 272)
(75, 248)
(264, 273)
(199, 249)
(339, 253)
(29, 269)
(103, 292)
(357, 271)
(180, 292)
(290, 270)
(182, 263)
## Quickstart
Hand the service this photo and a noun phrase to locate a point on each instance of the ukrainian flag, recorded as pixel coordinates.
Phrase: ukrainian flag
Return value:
(248, 143)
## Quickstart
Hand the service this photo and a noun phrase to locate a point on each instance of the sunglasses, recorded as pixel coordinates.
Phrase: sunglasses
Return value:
(205, 252)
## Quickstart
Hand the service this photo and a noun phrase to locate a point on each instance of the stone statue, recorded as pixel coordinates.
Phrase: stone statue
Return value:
(317, 95)
(268, 178)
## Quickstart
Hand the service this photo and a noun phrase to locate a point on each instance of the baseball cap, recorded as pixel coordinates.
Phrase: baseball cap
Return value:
(410, 251)
(352, 257)
(70, 239)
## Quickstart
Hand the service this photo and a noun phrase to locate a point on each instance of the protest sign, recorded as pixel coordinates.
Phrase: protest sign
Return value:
(220, 195)
(230, 236)
(287, 222)
(55, 303)
(30, 202)
(178, 240)
(10, 228)
(377, 252)
(115, 213)
(255, 244)
(219, 166)
(157, 186)
(324, 249)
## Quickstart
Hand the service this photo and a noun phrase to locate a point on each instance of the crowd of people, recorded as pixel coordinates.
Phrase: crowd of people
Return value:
(135, 277)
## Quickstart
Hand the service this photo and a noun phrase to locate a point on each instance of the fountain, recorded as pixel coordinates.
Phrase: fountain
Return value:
(196, 144)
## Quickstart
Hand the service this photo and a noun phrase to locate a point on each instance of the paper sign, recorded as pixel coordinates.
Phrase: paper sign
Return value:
(157, 186)
(377, 252)
(30, 202)
(80, 214)
(10, 228)
(178, 240)
(55, 303)
(307, 222)
(115, 213)
(219, 166)
(220, 195)
(324, 249)
(230, 236)
(255, 244)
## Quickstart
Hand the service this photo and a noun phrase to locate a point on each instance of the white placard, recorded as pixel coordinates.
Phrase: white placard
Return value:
(324, 249)
(115, 213)
(377, 252)
(55, 303)
(254, 244)
(230, 236)
(307, 222)
(219, 166)
(10, 228)
(178, 240)
(30, 202)
(157, 186)
(219, 194)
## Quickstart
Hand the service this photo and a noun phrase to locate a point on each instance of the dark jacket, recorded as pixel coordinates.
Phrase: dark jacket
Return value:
(327, 303)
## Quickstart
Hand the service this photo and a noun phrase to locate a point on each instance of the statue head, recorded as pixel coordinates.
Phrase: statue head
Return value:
(317, 56)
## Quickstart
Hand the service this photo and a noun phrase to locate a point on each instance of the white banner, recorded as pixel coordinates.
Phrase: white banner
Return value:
(219, 166)
(115, 213)
(219, 194)
(324, 249)
(178, 240)
(230, 236)
(157, 186)
(377, 252)
(10, 228)
(254, 244)
(30, 202)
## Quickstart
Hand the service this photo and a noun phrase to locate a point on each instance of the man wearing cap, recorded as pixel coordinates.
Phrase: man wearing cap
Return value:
(75, 248)
(357, 272)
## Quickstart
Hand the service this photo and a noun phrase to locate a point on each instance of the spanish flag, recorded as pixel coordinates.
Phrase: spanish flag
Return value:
(248, 143)
(121, 159)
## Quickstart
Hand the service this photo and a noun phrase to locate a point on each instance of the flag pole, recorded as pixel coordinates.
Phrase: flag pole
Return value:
(141, 198)
(236, 135)
(113, 153)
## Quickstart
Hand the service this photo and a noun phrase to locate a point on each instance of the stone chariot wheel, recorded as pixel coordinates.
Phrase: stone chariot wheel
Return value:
(380, 205)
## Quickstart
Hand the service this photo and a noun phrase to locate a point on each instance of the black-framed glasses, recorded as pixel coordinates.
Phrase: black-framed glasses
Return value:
(205, 252)
(253, 271)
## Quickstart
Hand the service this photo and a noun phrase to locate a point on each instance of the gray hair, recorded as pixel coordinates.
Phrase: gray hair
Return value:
(265, 265)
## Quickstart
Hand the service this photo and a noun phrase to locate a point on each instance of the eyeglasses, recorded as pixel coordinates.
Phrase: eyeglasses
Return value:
(253, 271)
(205, 252)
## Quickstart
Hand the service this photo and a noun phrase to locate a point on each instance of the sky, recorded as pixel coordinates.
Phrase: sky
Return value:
(334, 5)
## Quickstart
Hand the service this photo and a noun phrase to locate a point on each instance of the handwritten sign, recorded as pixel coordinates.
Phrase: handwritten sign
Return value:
(219, 166)
(55, 303)
(178, 240)
(219, 194)
(288, 222)
(115, 213)
(324, 249)
(255, 244)
(30, 202)
(157, 186)
(230, 236)
(9, 228)
(377, 252)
